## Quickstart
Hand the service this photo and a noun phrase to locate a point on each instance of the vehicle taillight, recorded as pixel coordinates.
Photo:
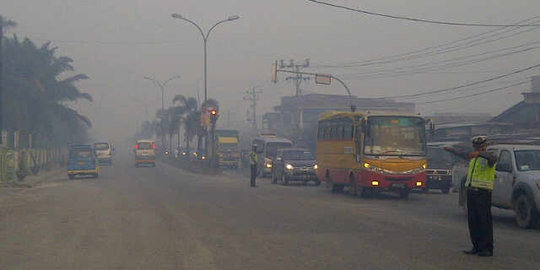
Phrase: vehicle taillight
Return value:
(136, 146)
(153, 145)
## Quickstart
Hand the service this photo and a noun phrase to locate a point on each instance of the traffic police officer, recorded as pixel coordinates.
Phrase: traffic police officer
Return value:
(253, 160)
(479, 185)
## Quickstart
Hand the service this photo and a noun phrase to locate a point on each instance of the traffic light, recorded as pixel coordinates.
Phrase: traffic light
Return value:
(213, 115)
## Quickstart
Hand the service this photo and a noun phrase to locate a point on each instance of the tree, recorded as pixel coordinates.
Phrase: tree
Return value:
(185, 107)
(37, 100)
(4, 25)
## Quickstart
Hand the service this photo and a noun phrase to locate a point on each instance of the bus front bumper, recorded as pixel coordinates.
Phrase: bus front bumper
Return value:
(393, 181)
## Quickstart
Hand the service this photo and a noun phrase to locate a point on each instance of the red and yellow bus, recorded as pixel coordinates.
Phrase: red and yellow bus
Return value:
(372, 152)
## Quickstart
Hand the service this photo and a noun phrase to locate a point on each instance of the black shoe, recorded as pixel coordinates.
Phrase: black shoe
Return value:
(473, 251)
(485, 253)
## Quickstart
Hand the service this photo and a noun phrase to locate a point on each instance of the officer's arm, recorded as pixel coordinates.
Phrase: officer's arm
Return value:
(461, 154)
(491, 158)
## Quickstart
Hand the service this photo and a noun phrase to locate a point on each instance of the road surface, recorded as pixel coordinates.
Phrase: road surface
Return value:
(166, 218)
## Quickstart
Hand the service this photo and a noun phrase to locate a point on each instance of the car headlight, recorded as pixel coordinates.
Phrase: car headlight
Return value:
(315, 166)
(424, 166)
(268, 165)
(289, 167)
(203, 157)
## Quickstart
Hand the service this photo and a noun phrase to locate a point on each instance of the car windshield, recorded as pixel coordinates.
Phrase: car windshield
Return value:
(528, 160)
(395, 136)
(145, 145)
(101, 146)
(80, 153)
(298, 155)
(271, 148)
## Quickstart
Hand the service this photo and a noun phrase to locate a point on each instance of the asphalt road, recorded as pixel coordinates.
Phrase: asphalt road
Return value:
(166, 218)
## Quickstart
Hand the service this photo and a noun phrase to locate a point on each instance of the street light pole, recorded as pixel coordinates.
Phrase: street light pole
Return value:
(205, 43)
(161, 86)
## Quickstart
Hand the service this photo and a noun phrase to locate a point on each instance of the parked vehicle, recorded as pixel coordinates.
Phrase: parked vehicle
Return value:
(82, 161)
(266, 152)
(294, 164)
(372, 152)
(104, 152)
(517, 182)
(145, 153)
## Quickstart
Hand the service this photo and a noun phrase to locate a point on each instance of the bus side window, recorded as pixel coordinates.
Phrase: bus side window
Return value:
(347, 131)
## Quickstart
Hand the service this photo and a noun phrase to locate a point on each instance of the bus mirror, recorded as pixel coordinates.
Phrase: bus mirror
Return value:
(431, 124)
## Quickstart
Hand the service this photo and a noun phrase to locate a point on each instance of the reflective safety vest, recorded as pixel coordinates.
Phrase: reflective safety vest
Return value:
(480, 175)
(253, 159)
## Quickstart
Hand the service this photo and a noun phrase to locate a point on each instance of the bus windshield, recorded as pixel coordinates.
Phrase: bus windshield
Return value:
(395, 136)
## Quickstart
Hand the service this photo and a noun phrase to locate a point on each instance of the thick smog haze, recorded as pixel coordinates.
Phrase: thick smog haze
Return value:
(335, 134)
(117, 43)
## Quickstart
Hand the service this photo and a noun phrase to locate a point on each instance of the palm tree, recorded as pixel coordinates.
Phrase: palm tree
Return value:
(182, 111)
(38, 101)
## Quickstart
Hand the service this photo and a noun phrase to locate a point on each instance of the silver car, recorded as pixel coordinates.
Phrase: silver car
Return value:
(517, 182)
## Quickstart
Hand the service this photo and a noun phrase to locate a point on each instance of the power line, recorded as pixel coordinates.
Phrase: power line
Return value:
(448, 63)
(476, 94)
(419, 19)
(472, 41)
(465, 85)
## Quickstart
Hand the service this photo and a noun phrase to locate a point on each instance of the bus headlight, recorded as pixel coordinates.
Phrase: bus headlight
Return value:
(289, 166)
(316, 167)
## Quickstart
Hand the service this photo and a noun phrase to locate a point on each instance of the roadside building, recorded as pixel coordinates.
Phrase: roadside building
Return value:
(525, 114)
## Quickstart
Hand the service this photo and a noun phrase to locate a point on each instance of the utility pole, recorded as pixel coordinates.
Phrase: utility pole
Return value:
(298, 78)
(252, 96)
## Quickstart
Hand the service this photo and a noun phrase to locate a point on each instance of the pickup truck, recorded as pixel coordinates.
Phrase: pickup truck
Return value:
(517, 182)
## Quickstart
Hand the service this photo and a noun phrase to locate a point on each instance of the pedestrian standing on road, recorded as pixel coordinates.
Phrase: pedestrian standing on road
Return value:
(253, 160)
(479, 185)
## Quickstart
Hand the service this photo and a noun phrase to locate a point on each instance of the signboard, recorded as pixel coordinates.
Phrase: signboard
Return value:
(323, 79)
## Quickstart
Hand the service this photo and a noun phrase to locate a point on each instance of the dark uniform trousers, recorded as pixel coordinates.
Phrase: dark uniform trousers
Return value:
(253, 174)
(480, 222)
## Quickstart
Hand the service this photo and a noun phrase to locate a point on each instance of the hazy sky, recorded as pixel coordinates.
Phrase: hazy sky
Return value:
(118, 42)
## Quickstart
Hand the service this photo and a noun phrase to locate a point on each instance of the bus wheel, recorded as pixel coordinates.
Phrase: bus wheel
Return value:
(404, 193)
(353, 188)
